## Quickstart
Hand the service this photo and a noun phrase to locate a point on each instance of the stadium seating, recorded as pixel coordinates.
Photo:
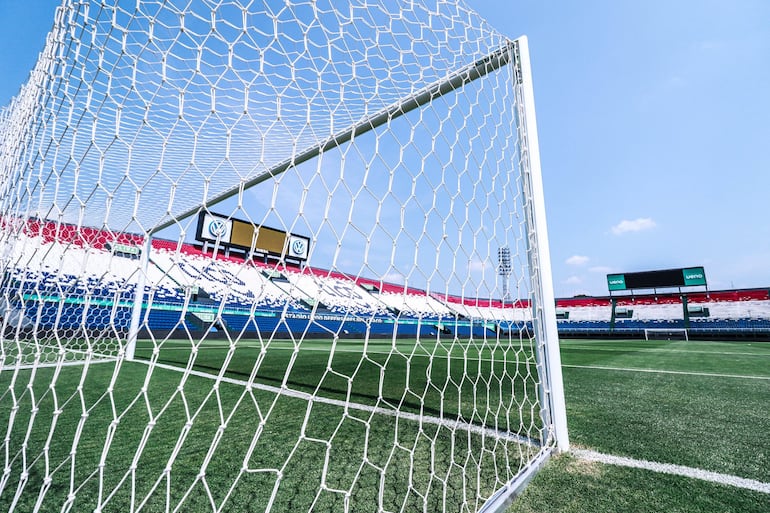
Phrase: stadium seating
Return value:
(51, 288)
(722, 313)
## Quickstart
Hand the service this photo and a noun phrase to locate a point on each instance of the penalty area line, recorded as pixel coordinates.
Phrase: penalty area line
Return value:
(677, 470)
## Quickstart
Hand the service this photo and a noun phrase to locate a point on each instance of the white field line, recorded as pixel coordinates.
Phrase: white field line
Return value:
(423, 419)
(68, 363)
(564, 346)
(659, 371)
(663, 350)
(453, 357)
(677, 470)
(341, 350)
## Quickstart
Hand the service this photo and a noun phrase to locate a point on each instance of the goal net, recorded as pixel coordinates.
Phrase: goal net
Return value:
(249, 255)
(666, 334)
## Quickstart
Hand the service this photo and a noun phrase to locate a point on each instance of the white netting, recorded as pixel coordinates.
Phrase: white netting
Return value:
(366, 352)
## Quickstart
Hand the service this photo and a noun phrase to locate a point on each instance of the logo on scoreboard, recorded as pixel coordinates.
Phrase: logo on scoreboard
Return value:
(217, 228)
(616, 281)
(214, 228)
(694, 276)
(298, 247)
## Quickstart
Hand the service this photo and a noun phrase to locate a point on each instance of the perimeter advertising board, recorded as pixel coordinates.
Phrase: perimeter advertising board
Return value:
(239, 234)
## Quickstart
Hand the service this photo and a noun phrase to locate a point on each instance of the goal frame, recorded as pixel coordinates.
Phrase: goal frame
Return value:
(515, 53)
(545, 428)
(545, 327)
(684, 331)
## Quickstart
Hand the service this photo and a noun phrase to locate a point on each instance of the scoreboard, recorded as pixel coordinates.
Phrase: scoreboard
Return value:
(246, 236)
(682, 277)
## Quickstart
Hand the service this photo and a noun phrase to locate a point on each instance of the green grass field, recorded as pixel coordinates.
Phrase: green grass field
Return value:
(699, 404)
(189, 430)
(151, 436)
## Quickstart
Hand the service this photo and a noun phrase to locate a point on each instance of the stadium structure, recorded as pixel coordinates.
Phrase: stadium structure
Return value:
(666, 303)
(195, 291)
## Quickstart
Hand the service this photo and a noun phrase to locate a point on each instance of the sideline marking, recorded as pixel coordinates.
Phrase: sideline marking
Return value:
(659, 371)
(677, 470)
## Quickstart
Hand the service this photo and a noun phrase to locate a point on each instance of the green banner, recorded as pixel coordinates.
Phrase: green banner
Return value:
(616, 282)
(694, 276)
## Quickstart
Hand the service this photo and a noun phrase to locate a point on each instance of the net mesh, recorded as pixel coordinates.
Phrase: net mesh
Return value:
(250, 260)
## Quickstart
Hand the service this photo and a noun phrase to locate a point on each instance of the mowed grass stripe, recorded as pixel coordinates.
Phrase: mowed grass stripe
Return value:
(483, 359)
(199, 443)
(491, 386)
(328, 350)
(406, 346)
(708, 357)
(666, 350)
(376, 410)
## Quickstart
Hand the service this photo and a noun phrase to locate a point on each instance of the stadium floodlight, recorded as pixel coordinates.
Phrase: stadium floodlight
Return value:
(504, 269)
(248, 251)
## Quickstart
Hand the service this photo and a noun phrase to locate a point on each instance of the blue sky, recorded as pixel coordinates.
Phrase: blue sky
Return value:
(652, 122)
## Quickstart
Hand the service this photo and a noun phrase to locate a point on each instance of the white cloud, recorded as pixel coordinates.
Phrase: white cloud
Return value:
(711, 45)
(577, 260)
(676, 81)
(394, 277)
(637, 225)
(477, 265)
(574, 280)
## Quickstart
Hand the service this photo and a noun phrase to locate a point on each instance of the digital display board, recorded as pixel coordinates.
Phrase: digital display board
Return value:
(683, 277)
(235, 233)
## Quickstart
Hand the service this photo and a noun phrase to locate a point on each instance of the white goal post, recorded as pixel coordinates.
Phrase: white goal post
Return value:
(249, 254)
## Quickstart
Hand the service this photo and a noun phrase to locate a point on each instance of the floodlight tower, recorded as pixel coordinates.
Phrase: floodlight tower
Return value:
(504, 269)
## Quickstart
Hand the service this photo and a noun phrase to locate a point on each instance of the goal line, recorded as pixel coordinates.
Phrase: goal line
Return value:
(677, 470)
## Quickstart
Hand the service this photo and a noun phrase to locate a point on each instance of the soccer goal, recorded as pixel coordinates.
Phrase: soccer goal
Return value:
(251, 260)
(666, 334)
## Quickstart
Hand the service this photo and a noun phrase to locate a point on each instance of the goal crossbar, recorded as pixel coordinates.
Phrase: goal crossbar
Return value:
(454, 81)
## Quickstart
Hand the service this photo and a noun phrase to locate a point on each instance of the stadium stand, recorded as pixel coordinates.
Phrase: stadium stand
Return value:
(186, 282)
(716, 314)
